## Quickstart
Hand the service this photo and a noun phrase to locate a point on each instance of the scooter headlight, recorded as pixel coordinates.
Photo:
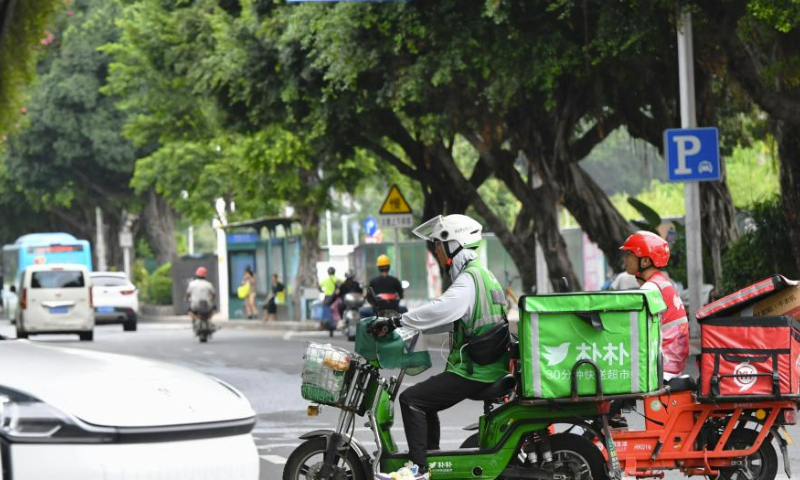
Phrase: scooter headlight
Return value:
(25, 419)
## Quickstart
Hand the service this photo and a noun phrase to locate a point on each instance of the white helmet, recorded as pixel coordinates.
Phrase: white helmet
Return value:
(455, 231)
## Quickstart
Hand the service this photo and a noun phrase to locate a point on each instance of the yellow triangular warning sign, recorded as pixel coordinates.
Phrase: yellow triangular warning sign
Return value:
(395, 203)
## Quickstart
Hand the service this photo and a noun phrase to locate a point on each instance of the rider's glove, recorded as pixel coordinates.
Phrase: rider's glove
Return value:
(383, 325)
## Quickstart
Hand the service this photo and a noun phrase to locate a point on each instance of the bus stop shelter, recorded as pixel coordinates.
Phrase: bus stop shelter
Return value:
(266, 249)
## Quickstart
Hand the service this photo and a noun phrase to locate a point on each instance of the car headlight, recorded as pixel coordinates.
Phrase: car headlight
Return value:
(25, 419)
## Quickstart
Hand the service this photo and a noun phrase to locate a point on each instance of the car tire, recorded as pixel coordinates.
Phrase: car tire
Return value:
(129, 326)
(86, 336)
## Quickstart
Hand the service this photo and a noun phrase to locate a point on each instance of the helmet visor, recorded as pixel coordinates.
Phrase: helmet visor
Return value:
(430, 229)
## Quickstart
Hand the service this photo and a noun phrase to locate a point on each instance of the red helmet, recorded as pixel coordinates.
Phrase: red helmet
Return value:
(648, 244)
(201, 272)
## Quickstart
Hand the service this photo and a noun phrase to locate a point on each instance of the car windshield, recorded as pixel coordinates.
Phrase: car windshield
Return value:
(108, 281)
(57, 279)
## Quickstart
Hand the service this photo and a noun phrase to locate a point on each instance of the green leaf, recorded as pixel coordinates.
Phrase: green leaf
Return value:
(652, 218)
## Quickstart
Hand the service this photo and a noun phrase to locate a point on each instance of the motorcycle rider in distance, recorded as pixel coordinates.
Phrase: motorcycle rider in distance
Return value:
(646, 253)
(383, 283)
(200, 295)
(460, 309)
(349, 285)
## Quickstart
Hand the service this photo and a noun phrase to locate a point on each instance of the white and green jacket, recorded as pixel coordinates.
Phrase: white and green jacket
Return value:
(474, 301)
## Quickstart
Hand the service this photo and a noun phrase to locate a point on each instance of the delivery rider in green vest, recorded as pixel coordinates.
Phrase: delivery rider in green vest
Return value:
(472, 304)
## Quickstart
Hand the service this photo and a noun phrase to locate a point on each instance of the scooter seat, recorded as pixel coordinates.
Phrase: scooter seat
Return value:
(496, 389)
(682, 383)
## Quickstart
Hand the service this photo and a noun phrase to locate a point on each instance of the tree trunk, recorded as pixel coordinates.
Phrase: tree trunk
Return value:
(719, 225)
(158, 219)
(309, 255)
(595, 213)
(788, 138)
(548, 233)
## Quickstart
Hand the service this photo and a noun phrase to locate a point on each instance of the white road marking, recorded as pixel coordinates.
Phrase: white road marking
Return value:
(276, 459)
(305, 333)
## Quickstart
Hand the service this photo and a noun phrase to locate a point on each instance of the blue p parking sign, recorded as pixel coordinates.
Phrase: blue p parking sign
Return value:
(692, 154)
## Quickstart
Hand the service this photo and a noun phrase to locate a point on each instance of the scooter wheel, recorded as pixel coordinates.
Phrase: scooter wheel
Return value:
(761, 465)
(304, 463)
(577, 457)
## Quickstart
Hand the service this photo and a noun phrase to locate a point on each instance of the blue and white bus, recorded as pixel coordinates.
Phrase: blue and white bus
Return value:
(36, 249)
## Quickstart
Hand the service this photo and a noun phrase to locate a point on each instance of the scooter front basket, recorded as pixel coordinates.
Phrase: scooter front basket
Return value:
(324, 368)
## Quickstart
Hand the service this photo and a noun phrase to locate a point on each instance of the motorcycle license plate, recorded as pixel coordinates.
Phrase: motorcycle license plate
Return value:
(59, 310)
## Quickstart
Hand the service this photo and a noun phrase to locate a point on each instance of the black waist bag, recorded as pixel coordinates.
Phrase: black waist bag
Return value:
(487, 347)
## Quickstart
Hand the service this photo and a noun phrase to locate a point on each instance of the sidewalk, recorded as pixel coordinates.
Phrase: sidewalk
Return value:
(280, 325)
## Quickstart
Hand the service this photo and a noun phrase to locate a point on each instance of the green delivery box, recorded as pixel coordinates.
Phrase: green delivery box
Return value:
(619, 331)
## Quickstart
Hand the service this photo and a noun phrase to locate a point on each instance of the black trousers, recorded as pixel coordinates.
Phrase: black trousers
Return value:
(421, 404)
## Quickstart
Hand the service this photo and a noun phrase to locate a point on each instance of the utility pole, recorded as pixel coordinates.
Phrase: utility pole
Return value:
(190, 240)
(222, 257)
(126, 242)
(102, 265)
(694, 260)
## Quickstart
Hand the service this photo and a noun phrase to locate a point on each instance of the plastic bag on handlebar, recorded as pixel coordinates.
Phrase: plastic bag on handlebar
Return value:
(401, 348)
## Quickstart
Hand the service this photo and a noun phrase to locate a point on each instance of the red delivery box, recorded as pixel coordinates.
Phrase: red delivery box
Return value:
(749, 356)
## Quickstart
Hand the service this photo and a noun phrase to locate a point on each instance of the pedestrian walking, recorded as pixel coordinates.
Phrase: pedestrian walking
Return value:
(271, 306)
(249, 280)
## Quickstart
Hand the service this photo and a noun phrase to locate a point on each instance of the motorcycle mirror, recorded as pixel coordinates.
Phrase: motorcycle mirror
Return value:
(371, 296)
(405, 284)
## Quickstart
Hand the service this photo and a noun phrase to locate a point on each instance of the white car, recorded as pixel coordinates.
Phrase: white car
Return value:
(115, 298)
(73, 414)
(55, 298)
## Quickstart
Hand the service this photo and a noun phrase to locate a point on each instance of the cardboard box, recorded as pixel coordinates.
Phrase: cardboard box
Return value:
(775, 295)
(783, 302)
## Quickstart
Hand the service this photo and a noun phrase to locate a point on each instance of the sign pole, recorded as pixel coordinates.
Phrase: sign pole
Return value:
(694, 260)
(396, 213)
(399, 270)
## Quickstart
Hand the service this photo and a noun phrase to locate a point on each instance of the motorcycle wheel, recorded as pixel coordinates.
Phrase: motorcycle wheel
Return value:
(577, 458)
(305, 461)
(203, 331)
(761, 465)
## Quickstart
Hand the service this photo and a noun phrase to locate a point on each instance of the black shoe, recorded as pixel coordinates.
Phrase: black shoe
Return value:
(618, 422)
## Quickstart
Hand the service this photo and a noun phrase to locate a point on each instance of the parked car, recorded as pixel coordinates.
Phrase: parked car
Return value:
(74, 414)
(55, 298)
(116, 299)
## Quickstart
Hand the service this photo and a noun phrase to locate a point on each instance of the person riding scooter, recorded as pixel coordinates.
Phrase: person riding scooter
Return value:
(646, 253)
(350, 285)
(461, 310)
(384, 284)
(200, 295)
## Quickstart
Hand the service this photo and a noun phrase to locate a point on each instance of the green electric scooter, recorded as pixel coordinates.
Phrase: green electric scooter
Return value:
(514, 438)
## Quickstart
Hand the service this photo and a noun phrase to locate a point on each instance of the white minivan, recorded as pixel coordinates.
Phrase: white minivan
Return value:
(55, 298)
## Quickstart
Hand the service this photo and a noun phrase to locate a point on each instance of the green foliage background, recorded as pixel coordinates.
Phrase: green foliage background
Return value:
(19, 50)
